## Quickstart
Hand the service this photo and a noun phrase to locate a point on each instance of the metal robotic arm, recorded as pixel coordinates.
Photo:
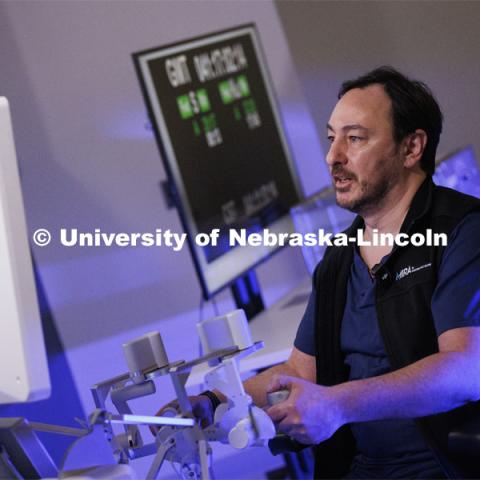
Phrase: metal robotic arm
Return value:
(180, 439)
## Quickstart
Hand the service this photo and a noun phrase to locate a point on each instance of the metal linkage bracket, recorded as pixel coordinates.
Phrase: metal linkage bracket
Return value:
(180, 439)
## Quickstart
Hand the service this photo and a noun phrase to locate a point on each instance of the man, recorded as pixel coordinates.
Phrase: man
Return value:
(378, 348)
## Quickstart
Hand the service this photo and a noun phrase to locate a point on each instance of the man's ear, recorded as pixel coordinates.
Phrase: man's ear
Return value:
(414, 147)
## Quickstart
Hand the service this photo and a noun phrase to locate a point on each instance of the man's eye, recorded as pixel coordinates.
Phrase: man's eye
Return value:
(355, 138)
(330, 138)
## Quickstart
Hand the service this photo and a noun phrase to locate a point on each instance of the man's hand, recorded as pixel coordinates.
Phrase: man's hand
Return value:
(310, 414)
(201, 408)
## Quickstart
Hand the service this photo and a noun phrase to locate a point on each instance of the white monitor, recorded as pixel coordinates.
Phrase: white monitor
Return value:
(459, 170)
(24, 373)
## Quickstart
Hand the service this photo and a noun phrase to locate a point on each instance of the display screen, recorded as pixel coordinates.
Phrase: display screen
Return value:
(459, 170)
(220, 134)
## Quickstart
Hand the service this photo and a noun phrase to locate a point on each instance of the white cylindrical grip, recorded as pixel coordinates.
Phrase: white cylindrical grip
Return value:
(242, 435)
(225, 331)
(145, 353)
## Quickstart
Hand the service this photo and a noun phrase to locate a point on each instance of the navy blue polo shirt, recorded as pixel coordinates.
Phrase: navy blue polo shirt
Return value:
(455, 303)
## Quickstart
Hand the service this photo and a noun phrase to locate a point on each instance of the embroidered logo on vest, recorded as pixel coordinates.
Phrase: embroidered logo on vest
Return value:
(409, 270)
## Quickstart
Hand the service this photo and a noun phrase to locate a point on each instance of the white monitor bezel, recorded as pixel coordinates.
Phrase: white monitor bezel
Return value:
(24, 374)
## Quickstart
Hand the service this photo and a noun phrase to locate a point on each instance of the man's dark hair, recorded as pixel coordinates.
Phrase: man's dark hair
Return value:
(413, 107)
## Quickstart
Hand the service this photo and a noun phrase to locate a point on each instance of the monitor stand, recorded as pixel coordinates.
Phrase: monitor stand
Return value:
(247, 295)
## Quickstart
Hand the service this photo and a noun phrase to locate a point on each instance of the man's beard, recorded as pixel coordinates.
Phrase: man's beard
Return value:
(371, 194)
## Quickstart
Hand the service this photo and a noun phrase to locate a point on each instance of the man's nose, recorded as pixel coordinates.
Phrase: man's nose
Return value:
(336, 153)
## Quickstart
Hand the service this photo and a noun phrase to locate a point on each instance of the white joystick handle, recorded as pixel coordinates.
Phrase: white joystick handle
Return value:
(276, 397)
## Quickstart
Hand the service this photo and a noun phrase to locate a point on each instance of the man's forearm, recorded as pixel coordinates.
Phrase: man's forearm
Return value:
(256, 386)
(299, 364)
(434, 384)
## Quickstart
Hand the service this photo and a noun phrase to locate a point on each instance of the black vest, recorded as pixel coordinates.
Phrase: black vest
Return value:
(405, 284)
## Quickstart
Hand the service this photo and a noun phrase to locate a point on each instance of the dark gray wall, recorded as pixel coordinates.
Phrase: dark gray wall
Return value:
(434, 41)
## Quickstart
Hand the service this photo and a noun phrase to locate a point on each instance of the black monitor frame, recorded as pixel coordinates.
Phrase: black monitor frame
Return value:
(216, 274)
